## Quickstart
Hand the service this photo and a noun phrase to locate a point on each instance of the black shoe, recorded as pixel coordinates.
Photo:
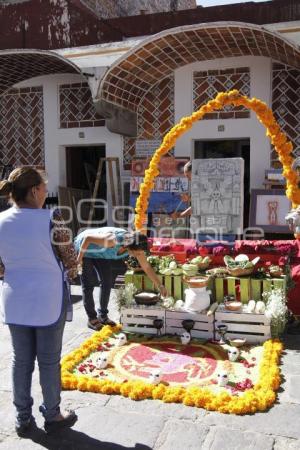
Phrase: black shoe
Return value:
(24, 427)
(96, 326)
(107, 321)
(67, 422)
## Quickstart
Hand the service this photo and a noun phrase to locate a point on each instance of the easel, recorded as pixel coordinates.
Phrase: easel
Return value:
(70, 197)
(116, 189)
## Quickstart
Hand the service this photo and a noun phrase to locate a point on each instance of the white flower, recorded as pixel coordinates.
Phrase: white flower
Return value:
(276, 308)
(168, 302)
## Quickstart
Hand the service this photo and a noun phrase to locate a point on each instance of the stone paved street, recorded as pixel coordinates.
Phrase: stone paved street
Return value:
(119, 423)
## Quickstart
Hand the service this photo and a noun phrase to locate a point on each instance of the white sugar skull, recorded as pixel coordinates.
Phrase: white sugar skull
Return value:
(155, 376)
(102, 361)
(121, 339)
(233, 354)
(179, 304)
(185, 338)
(222, 378)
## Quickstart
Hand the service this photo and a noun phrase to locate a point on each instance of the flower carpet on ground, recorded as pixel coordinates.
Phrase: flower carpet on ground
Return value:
(184, 373)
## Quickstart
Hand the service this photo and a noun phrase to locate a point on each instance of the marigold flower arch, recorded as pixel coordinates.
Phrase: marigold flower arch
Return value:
(264, 114)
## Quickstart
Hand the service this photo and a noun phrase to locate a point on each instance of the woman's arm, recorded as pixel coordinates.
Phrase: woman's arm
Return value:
(103, 240)
(63, 246)
(187, 212)
(141, 257)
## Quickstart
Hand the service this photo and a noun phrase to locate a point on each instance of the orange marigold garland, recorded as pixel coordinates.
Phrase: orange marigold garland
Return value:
(264, 114)
(259, 398)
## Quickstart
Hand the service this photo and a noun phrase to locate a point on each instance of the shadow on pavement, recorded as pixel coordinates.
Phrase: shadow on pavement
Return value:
(291, 340)
(69, 439)
(76, 298)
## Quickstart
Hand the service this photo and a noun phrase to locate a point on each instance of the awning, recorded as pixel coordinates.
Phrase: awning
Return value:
(20, 65)
(127, 81)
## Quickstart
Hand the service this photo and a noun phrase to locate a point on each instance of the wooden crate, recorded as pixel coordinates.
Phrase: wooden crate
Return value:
(119, 281)
(253, 327)
(250, 288)
(139, 319)
(174, 283)
(203, 328)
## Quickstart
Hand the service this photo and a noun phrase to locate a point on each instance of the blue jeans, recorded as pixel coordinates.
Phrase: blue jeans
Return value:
(43, 344)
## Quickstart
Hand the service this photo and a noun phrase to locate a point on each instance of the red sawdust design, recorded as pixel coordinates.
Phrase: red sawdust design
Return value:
(190, 364)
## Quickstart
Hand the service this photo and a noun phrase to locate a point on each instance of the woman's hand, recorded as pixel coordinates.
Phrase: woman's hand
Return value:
(163, 291)
(148, 269)
(174, 215)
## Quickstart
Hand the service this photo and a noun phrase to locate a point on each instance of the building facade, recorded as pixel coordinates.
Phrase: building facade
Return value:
(112, 98)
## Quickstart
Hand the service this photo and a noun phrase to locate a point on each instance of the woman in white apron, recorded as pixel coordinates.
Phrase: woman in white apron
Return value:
(34, 296)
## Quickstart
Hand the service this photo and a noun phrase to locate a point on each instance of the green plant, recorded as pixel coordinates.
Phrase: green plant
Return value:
(125, 295)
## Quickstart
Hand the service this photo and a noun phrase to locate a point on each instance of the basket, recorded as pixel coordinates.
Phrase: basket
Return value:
(276, 273)
(197, 281)
(203, 266)
(240, 272)
(214, 272)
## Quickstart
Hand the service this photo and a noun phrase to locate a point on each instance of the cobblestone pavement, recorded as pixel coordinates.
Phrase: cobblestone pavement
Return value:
(113, 422)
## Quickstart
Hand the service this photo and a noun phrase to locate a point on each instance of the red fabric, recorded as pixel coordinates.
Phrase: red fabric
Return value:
(294, 293)
(264, 246)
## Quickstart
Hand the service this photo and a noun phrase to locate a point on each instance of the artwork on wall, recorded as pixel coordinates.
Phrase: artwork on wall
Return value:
(168, 167)
(170, 187)
(217, 194)
(162, 184)
(162, 202)
(268, 209)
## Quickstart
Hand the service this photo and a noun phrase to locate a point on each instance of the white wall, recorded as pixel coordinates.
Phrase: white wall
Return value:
(260, 71)
(56, 139)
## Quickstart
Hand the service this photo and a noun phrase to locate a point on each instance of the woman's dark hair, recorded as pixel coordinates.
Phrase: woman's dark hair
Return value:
(19, 182)
(188, 167)
(139, 242)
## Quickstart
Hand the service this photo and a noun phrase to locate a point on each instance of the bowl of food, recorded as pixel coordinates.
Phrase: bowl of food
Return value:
(275, 271)
(146, 298)
(202, 262)
(237, 342)
(233, 305)
(197, 281)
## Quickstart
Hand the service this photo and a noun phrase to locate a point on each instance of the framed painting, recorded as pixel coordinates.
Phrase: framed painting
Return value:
(268, 208)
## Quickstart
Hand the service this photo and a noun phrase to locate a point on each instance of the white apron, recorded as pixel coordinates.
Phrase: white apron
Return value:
(32, 290)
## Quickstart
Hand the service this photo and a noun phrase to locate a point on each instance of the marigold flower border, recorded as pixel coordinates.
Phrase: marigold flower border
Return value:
(259, 398)
(264, 114)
